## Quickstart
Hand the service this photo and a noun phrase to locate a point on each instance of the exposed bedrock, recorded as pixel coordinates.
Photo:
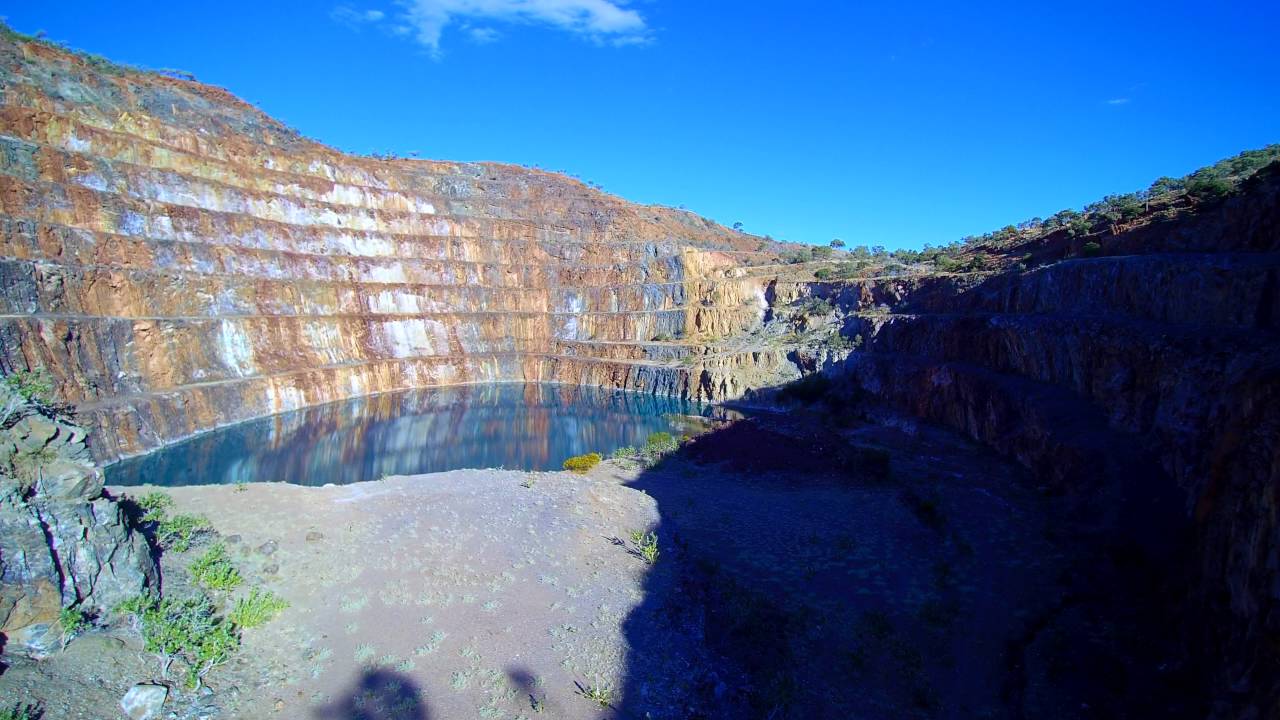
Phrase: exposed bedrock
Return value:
(62, 543)
(1142, 386)
(180, 261)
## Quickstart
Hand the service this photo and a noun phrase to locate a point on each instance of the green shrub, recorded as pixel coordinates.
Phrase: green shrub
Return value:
(1091, 249)
(71, 622)
(214, 570)
(661, 439)
(1206, 189)
(646, 545)
(155, 506)
(626, 451)
(257, 608)
(597, 692)
(658, 446)
(815, 307)
(180, 532)
(33, 386)
(21, 711)
(582, 463)
(187, 630)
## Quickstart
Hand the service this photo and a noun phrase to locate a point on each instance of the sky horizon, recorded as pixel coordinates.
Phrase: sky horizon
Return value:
(876, 125)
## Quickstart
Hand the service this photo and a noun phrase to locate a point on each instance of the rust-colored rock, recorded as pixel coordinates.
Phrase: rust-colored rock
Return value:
(180, 261)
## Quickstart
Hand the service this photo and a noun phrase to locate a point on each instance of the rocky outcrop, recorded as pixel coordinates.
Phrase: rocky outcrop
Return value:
(62, 543)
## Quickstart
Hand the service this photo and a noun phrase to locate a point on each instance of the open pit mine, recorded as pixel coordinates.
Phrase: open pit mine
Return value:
(1040, 479)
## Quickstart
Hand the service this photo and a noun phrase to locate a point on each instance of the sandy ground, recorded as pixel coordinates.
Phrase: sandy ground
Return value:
(780, 592)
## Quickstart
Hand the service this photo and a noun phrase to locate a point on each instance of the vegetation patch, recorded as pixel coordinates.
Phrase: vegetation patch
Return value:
(597, 692)
(187, 630)
(214, 570)
(257, 608)
(177, 532)
(71, 623)
(582, 463)
(21, 711)
(645, 545)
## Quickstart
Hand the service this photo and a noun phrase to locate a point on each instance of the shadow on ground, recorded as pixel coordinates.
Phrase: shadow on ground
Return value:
(873, 571)
(378, 695)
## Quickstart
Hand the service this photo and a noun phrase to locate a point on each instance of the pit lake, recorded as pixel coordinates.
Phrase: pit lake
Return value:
(516, 426)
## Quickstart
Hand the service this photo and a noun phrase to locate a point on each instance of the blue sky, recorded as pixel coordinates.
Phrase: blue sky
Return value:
(879, 123)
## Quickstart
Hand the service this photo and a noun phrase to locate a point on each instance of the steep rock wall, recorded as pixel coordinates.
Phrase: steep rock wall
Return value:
(1142, 384)
(180, 261)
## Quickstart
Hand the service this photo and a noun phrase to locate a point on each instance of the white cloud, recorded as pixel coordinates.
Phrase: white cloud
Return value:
(483, 35)
(351, 17)
(601, 20)
(1118, 101)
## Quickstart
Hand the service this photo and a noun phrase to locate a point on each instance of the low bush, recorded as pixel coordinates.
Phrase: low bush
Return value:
(31, 386)
(71, 623)
(1091, 249)
(1207, 188)
(214, 570)
(21, 711)
(257, 608)
(155, 506)
(815, 307)
(646, 546)
(187, 630)
(626, 451)
(179, 532)
(582, 463)
(597, 692)
(660, 440)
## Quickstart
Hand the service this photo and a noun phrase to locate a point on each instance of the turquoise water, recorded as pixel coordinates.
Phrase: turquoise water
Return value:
(510, 425)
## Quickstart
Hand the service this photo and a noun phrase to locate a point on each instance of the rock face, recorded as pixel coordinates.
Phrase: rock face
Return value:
(1143, 385)
(181, 261)
(61, 542)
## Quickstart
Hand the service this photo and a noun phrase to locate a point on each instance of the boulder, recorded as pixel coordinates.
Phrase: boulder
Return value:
(144, 701)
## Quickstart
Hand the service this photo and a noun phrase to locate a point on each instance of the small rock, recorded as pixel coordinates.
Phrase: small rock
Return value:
(144, 701)
(233, 539)
(315, 535)
(268, 548)
(271, 569)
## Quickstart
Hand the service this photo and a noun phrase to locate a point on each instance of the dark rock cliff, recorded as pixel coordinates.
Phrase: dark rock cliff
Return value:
(1143, 385)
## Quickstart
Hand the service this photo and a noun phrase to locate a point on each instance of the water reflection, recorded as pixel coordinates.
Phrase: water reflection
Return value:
(511, 425)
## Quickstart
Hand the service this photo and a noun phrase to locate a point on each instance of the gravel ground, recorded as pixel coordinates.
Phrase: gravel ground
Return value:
(501, 594)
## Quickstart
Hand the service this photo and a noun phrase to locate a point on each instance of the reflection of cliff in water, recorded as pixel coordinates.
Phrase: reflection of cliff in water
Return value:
(514, 425)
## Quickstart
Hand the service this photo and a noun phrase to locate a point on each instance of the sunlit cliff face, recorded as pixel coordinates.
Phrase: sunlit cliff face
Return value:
(180, 261)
